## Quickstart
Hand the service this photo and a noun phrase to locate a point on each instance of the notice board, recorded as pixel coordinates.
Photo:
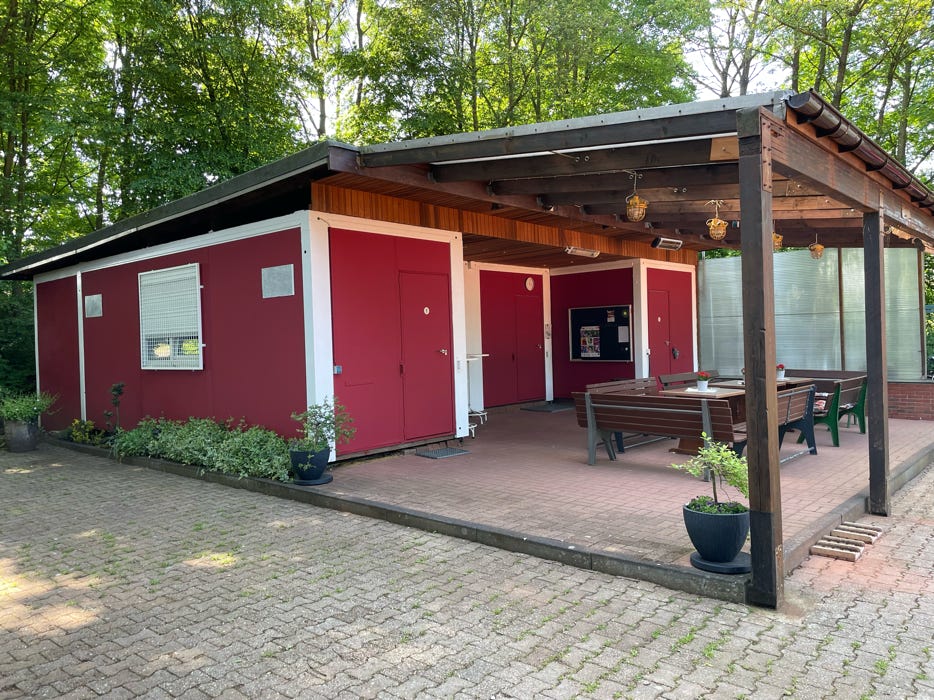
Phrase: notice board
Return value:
(601, 333)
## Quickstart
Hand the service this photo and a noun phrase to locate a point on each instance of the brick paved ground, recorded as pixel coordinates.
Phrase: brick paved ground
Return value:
(119, 581)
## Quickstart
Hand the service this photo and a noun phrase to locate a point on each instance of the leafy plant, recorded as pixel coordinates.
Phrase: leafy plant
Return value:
(26, 407)
(722, 464)
(253, 451)
(116, 391)
(203, 442)
(84, 432)
(321, 425)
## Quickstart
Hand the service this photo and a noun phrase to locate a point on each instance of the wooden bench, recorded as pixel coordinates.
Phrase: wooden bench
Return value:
(840, 397)
(645, 385)
(795, 412)
(664, 416)
(674, 380)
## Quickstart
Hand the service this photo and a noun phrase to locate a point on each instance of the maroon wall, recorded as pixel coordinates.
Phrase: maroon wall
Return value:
(254, 366)
(603, 288)
(57, 323)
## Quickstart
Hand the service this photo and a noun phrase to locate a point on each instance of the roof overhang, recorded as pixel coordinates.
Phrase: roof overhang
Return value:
(576, 174)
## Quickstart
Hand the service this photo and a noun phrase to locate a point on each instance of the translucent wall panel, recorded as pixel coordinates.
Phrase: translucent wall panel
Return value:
(902, 313)
(808, 312)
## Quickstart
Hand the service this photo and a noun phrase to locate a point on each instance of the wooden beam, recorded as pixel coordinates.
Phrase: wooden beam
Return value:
(580, 163)
(345, 161)
(765, 500)
(591, 132)
(876, 368)
(713, 174)
(654, 195)
(814, 163)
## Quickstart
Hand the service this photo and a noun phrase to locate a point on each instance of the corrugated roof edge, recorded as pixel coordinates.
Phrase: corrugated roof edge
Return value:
(770, 99)
(305, 160)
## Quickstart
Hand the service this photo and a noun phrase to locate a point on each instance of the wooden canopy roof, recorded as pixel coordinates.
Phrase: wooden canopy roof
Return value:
(573, 177)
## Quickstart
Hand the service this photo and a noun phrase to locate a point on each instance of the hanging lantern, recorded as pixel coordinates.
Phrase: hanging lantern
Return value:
(817, 250)
(716, 226)
(776, 241)
(635, 205)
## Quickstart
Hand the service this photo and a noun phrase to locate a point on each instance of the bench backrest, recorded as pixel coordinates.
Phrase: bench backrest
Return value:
(668, 416)
(793, 404)
(850, 390)
(645, 385)
(824, 373)
(668, 380)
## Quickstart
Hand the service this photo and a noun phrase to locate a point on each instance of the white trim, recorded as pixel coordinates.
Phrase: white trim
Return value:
(549, 354)
(459, 338)
(316, 303)
(595, 267)
(82, 386)
(212, 238)
(35, 329)
(385, 228)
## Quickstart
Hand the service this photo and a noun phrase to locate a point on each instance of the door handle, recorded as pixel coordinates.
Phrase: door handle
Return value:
(443, 351)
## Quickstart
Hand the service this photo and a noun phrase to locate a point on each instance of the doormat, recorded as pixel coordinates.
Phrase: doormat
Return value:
(551, 407)
(847, 541)
(441, 452)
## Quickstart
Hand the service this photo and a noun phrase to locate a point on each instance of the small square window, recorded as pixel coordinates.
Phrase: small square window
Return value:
(278, 281)
(93, 306)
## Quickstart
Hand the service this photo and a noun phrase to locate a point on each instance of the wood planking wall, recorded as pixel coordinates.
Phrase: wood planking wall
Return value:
(369, 205)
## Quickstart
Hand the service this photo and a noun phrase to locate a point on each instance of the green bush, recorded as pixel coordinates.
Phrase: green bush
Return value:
(84, 432)
(254, 451)
(204, 442)
(25, 407)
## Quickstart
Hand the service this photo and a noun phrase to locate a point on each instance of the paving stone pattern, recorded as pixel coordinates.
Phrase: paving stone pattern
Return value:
(118, 581)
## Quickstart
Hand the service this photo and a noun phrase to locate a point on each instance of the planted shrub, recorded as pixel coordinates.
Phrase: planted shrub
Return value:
(203, 442)
(84, 432)
(253, 451)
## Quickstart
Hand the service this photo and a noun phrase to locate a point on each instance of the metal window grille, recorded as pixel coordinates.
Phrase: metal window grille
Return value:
(170, 318)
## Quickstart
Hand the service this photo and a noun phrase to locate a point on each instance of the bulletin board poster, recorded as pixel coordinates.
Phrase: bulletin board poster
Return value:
(601, 333)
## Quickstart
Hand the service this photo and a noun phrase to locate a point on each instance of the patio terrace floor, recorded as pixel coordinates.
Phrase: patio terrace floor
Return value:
(526, 474)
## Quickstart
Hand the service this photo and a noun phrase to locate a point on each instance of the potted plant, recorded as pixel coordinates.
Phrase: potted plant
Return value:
(718, 527)
(323, 425)
(20, 413)
(702, 379)
(780, 369)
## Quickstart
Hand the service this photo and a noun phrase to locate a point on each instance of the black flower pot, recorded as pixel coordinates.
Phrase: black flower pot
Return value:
(308, 468)
(718, 539)
(20, 435)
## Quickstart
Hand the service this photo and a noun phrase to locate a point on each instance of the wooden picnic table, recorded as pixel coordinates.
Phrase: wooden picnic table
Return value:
(735, 397)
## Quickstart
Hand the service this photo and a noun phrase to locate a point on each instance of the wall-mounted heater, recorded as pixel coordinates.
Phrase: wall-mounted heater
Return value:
(582, 252)
(667, 243)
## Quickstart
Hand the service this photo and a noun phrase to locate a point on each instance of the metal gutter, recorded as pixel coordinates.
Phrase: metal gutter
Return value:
(814, 109)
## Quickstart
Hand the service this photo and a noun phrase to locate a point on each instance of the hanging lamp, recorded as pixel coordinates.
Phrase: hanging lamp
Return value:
(776, 241)
(635, 205)
(817, 250)
(716, 226)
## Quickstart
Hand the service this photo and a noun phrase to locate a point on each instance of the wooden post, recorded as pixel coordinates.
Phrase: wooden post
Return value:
(765, 516)
(877, 396)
